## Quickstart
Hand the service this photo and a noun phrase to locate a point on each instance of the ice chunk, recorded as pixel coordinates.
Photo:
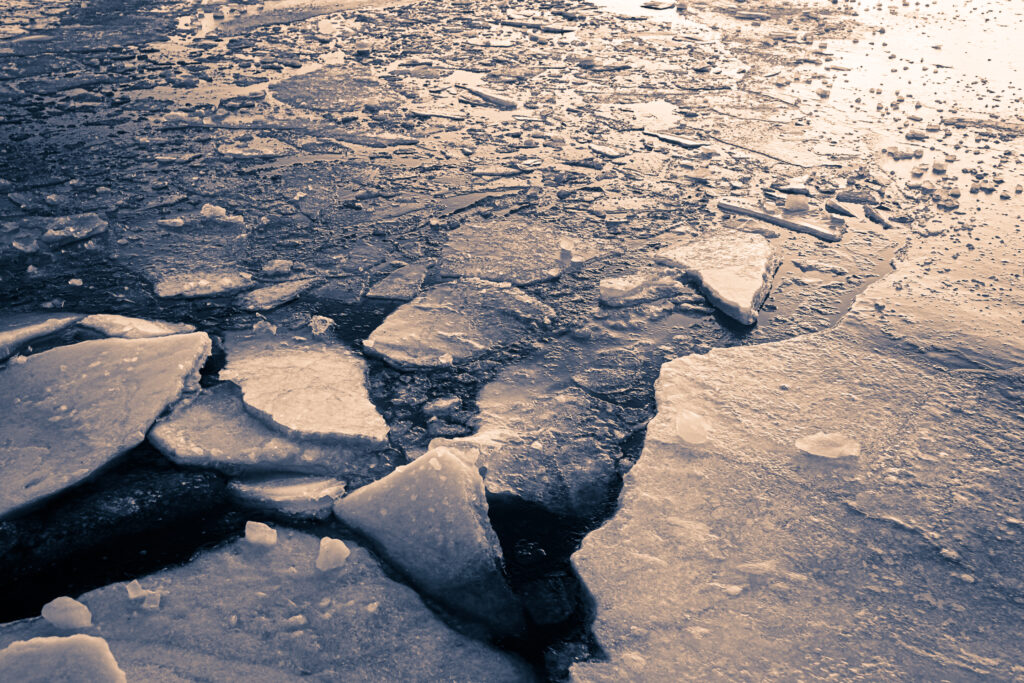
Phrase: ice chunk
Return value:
(65, 612)
(429, 518)
(259, 533)
(333, 553)
(77, 659)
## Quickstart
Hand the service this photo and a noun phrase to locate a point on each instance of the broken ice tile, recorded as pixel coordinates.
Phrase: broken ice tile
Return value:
(518, 251)
(455, 323)
(68, 229)
(734, 269)
(307, 389)
(19, 330)
(67, 412)
(401, 285)
(267, 298)
(202, 284)
(311, 497)
(639, 288)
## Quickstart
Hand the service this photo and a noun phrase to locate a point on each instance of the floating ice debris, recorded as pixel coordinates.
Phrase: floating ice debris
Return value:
(821, 232)
(302, 496)
(267, 298)
(637, 288)
(309, 390)
(69, 229)
(429, 518)
(401, 285)
(150, 599)
(734, 269)
(456, 322)
(132, 328)
(202, 284)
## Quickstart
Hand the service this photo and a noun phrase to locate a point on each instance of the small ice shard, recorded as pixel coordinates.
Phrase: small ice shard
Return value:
(73, 658)
(320, 324)
(152, 599)
(218, 214)
(135, 590)
(65, 612)
(333, 553)
(259, 533)
(833, 445)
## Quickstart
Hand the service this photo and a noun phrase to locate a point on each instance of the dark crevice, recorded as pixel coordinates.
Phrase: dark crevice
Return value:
(138, 515)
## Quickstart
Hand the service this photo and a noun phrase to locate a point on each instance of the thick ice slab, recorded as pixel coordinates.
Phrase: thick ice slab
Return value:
(66, 412)
(734, 269)
(266, 613)
(455, 323)
(215, 430)
(20, 329)
(272, 296)
(429, 518)
(132, 328)
(308, 390)
(832, 503)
